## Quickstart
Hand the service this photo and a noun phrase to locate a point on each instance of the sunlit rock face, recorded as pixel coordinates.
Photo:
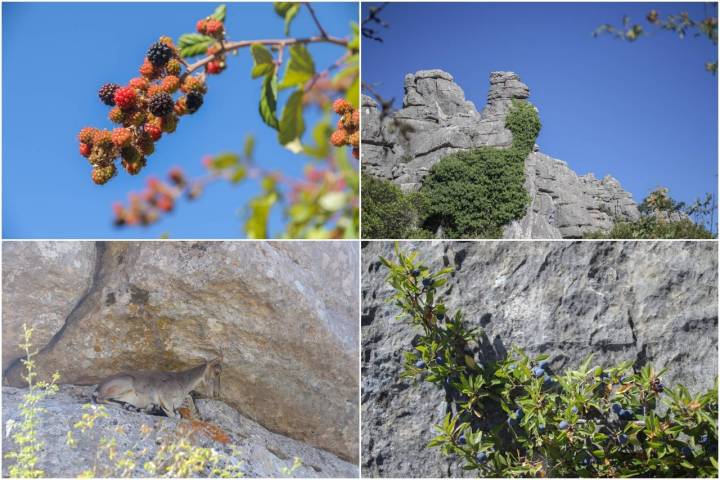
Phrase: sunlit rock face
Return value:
(435, 120)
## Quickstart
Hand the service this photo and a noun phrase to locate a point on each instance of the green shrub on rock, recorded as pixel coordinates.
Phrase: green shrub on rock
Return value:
(516, 417)
(389, 213)
(473, 194)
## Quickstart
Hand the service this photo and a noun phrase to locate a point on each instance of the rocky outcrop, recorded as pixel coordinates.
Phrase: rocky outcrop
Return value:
(282, 315)
(436, 120)
(646, 302)
(258, 452)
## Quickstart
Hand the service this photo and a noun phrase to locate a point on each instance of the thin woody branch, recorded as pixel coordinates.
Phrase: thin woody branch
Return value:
(232, 46)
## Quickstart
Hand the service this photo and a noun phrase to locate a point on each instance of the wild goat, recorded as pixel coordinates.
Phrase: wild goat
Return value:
(146, 391)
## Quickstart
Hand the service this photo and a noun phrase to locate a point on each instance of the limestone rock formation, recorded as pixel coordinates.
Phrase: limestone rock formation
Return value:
(647, 302)
(436, 120)
(260, 453)
(283, 316)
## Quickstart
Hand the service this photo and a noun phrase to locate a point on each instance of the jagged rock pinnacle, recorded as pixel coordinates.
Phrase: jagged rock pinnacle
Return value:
(436, 120)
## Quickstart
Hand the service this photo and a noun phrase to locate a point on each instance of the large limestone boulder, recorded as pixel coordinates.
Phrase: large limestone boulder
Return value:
(259, 452)
(646, 302)
(43, 282)
(435, 120)
(282, 315)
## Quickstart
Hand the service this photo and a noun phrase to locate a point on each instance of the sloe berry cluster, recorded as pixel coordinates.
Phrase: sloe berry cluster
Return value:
(348, 127)
(144, 109)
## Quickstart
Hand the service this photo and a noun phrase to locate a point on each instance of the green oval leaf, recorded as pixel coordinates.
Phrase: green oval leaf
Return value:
(292, 125)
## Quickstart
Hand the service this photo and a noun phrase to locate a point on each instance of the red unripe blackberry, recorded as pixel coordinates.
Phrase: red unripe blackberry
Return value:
(354, 139)
(171, 83)
(200, 26)
(153, 131)
(121, 137)
(161, 104)
(134, 167)
(85, 150)
(341, 106)
(193, 84)
(173, 67)
(101, 175)
(102, 138)
(180, 106)
(165, 203)
(193, 101)
(159, 54)
(125, 98)
(87, 135)
(214, 28)
(338, 138)
(213, 67)
(116, 115)
(147, 70)
(140, 83)
(107, 93)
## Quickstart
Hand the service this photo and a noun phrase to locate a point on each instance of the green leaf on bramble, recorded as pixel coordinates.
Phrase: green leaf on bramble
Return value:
(268, 101)
(263, 62)
(219, 13)
(193, 44)
(292, 125)
(288, 11)
(300, 68)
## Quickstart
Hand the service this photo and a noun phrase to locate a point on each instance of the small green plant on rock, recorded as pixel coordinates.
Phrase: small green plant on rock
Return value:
(514, 417)
(24, 434)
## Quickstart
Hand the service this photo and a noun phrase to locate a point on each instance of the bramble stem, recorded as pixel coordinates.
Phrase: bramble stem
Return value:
(281, 43)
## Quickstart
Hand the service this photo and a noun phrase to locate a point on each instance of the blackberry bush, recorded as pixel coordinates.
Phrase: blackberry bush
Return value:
(516, 417)
(321, 204)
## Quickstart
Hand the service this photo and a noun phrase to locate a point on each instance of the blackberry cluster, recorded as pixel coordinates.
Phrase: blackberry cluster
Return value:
(348, 127)
(143, 109)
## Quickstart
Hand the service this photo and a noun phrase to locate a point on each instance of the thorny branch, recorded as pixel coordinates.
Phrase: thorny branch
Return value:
(374, 17)
(279, 43)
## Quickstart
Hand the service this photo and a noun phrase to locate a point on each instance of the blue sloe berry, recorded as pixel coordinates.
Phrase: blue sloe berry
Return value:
(574, 410)
(481, 457)
(622, 439)
(563, 425)
(538, 372)
(420, 364)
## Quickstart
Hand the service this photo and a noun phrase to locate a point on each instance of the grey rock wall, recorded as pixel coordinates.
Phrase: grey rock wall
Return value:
(640, 301)
(282, 315)
(260, 452)
(436, 120)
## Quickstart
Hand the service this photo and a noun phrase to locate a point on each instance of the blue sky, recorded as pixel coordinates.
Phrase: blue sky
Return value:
(56, 56)
(643, 112)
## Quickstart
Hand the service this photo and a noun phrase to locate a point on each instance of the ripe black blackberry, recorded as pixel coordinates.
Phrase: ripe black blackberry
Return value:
(159, 54)
(193, 101)
(161, 104)
(107, 93)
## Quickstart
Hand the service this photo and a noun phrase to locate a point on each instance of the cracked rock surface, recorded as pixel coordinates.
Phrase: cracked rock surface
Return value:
(435, 120)
(639, 301)
(283, 316)
(261, 453)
